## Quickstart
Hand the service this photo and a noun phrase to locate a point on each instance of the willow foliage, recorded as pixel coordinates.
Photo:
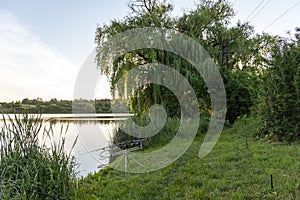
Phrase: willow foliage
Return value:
(239, 53)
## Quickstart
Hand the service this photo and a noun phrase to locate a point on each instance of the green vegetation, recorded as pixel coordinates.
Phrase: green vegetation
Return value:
(236, 50)
(239, 167)
(257, 156)
(279, 105)
(259, 71)
(56, 107)
(31, 168)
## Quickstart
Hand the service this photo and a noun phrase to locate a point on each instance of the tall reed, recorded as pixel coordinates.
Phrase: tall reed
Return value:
(29, 167)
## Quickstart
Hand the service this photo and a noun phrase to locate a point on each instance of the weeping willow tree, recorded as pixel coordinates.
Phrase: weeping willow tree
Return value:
(146, 13)
(239, 53)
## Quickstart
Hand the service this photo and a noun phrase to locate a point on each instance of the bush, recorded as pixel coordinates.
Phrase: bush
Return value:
(280, 95)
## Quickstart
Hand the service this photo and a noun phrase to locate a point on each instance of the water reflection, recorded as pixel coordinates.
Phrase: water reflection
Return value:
(92, 136)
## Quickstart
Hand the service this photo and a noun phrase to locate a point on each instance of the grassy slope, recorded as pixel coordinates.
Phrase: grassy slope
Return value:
(233, 170)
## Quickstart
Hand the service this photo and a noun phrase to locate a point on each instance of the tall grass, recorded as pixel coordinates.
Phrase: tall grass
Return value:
(29, 167)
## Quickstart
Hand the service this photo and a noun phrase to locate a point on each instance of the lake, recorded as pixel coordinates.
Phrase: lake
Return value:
(93, 130)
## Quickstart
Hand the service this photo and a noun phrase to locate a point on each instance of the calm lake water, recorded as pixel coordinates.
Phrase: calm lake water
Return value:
(93, 130)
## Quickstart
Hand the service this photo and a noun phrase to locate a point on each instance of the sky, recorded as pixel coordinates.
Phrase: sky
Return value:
(43, 44)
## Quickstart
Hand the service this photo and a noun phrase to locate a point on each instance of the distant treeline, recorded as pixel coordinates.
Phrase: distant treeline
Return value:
(55, 106)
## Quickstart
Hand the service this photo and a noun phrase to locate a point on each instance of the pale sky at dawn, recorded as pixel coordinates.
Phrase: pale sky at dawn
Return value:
(44, 43)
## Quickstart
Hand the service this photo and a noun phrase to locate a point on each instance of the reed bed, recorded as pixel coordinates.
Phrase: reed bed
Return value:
(30, 167)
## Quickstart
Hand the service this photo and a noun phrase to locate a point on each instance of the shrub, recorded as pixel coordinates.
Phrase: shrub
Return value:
(279, 101)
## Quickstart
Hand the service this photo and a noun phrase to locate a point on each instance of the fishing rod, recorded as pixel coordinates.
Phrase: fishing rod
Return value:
(117, 146)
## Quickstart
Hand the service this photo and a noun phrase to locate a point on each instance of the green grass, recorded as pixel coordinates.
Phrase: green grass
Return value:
(239, 167)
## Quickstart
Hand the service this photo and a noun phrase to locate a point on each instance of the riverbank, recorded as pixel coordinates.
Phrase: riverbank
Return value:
(239, 167)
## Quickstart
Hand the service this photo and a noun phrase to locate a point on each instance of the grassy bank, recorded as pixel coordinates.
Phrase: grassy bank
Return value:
(239, 167)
